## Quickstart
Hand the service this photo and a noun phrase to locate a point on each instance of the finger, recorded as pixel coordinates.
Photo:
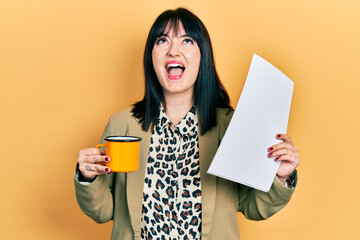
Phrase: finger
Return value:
(102, 169)
(284, 137)
(92, 170)
(281, 146)
(104, 159)
(280, 152)
(89, 168)
(100, 159)
(292, 160)
(95, 159)
(88, 171)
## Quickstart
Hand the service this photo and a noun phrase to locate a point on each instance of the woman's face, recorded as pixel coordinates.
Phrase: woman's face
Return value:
(176, 59)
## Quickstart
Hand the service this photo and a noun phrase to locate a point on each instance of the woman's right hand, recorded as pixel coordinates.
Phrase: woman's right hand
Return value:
(88, 162)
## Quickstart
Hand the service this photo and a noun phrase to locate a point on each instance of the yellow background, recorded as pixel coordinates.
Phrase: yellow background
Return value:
(67, 65)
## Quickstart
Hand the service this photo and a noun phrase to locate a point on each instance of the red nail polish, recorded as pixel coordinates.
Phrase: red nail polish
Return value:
(107, 159)
(277, 158)
(270, 149)
(270, 154)
(278, 135)
(107, 169)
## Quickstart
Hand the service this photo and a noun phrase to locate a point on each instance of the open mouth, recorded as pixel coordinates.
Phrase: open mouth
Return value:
(174, 69)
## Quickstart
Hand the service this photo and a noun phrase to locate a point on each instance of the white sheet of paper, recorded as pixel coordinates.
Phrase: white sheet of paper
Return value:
(262, 112)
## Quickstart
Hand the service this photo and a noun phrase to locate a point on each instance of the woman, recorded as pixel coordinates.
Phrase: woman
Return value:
(181, 119)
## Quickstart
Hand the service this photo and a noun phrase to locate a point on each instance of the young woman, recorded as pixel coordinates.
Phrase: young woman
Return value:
(181, 119)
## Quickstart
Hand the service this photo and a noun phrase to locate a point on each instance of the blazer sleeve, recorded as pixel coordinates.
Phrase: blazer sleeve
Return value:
(96, 198)
(258, 205)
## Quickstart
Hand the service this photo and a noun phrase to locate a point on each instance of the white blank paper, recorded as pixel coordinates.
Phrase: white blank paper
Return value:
(262, 112)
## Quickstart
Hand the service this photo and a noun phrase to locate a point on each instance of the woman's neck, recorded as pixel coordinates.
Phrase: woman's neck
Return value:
(178, 106)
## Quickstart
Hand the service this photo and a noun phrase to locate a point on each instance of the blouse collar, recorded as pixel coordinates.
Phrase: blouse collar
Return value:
(185, 127)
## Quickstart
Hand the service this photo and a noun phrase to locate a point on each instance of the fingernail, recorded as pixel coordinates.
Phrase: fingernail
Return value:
(107, 169)
(278, 135)
(270, 149)
(277, 158)
(270, 154)
(107, 159)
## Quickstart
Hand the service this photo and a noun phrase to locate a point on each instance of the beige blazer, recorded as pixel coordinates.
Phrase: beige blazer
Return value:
(119, 196)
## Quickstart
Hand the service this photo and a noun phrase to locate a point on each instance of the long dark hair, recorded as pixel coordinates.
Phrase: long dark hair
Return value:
(209, 93)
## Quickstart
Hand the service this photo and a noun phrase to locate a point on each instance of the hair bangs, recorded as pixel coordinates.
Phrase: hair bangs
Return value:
(172, 20)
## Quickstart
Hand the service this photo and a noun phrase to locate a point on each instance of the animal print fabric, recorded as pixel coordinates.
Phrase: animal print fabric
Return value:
(172, 190)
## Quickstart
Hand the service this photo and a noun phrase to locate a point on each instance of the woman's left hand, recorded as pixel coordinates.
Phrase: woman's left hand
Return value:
(287, 153)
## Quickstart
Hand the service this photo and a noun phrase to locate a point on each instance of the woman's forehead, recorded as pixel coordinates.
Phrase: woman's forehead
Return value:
(174, 27)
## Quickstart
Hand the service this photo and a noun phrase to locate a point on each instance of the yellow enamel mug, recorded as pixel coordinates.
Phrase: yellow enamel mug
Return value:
(123, 152)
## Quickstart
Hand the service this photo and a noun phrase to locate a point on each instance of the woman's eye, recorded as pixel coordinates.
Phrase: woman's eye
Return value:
(188, 41)
(161, 41)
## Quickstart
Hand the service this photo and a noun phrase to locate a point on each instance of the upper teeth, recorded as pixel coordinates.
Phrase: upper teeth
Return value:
(174, 65)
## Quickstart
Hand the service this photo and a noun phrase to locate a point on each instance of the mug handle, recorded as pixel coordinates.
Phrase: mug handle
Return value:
(101, 145)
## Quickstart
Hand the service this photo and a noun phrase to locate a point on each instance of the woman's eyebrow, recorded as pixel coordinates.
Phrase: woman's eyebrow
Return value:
(167, 35)
(185, 35)
(163, 35)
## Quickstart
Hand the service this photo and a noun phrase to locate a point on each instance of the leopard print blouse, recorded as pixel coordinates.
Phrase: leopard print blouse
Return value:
(172, 192)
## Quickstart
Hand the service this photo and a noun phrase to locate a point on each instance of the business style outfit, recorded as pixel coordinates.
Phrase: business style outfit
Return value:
(119, 196)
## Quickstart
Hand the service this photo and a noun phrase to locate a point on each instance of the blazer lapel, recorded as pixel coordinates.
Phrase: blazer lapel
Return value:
(135, 180)
(208, 144)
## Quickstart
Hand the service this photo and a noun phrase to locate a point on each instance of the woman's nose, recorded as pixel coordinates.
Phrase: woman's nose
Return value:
(173, 50)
